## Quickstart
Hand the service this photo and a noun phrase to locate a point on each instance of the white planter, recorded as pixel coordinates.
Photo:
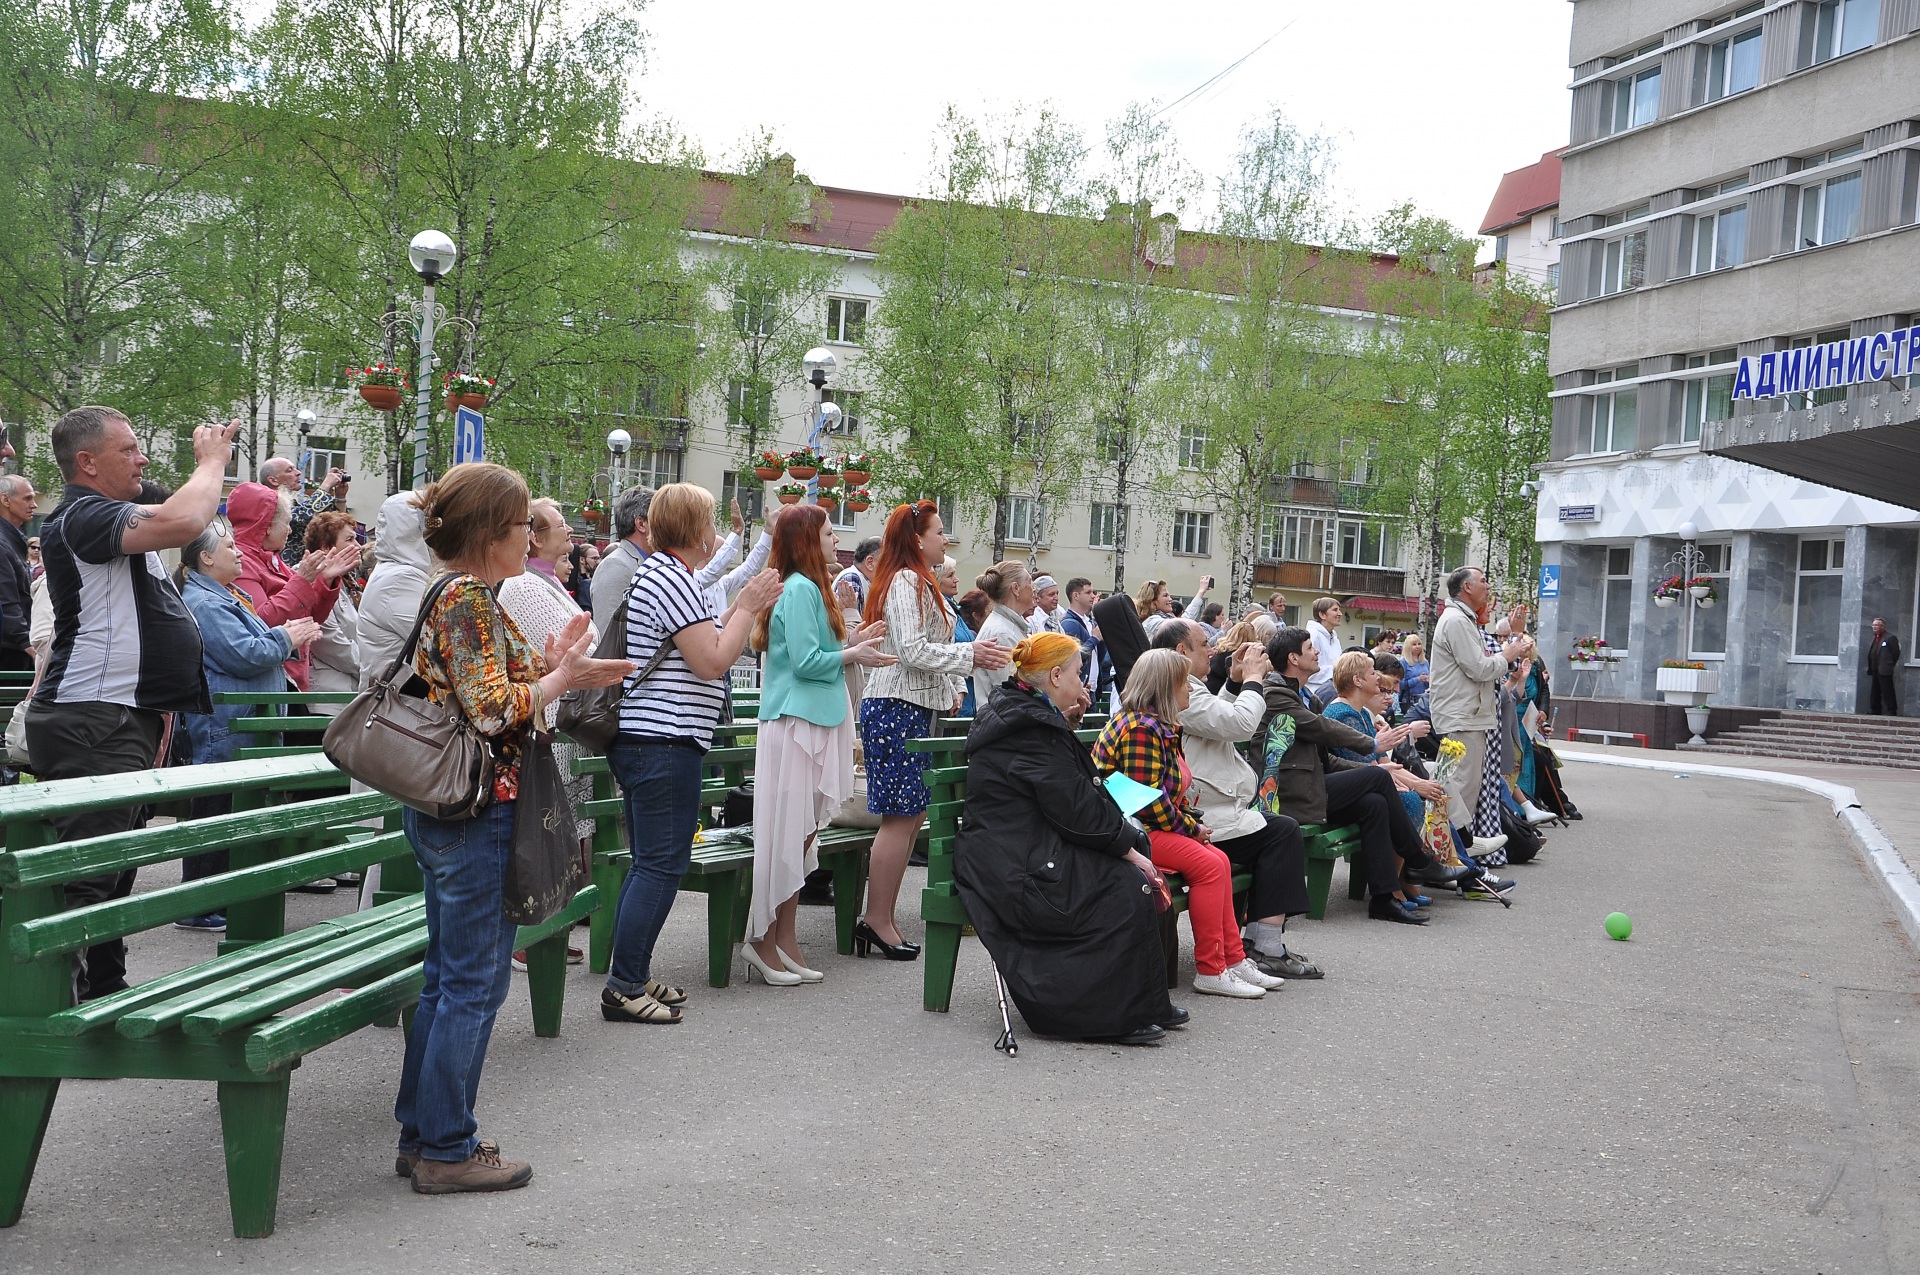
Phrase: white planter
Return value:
(1690, 681)
(1700, 592)
(1697, 723)
(1705, 604)
(1663, 599)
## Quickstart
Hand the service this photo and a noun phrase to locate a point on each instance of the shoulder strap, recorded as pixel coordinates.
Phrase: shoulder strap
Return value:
(419, 622)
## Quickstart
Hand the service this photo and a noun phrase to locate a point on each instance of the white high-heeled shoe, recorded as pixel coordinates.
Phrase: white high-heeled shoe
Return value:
(770, 976)
(795, 967)
(1534, 814)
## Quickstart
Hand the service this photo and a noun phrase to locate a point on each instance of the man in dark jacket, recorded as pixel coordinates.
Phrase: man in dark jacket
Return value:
(1051, 876)
(1303, 780)
(17, 504)
(1883, 666)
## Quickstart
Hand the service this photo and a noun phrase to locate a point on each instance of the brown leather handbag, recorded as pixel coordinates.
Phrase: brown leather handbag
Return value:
(395, 740)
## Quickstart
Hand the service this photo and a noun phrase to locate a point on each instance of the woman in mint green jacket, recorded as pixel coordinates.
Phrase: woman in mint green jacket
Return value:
(803, 761)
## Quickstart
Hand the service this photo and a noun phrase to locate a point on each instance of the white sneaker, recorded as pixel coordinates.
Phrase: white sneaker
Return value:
(1487, 845)
(1247, 972)
(1535, 814)
(1225, 984)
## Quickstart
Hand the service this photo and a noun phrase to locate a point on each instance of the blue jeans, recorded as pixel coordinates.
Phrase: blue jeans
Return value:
(660, 781)
(469, 967)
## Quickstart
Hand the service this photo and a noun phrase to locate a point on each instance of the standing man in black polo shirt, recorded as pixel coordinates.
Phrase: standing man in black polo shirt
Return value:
(126, 651)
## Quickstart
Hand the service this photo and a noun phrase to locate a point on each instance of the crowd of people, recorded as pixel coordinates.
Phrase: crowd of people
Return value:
(1231, 733)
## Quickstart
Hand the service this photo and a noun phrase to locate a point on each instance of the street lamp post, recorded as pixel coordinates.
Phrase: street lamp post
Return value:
(306, 418)
(431, 254)
(618, 441)
(819, 364)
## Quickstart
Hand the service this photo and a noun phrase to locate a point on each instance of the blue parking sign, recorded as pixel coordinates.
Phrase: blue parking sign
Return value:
(1550, 581)
(469, 436)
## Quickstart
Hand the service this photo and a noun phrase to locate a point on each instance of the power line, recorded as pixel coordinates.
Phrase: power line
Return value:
(1221, 75)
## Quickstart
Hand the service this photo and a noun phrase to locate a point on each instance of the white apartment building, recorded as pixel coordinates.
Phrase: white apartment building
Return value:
(1524, 221)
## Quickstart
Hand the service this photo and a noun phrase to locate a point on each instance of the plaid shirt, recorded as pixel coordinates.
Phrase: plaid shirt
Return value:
(1147, 750)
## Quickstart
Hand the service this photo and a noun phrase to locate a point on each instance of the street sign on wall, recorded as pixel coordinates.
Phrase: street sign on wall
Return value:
(1549, 581)
(469, 436)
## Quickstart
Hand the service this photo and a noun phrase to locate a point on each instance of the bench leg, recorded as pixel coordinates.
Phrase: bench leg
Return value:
(1356, 880)
(942, 957)
(253, 1123)
(849, 896)
(1319, 883)
(609, 877)
(727, 901)
(547, 981)
(26, 1104)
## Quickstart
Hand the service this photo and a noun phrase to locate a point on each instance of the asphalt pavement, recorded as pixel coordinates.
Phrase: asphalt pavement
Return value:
(1501, 1091)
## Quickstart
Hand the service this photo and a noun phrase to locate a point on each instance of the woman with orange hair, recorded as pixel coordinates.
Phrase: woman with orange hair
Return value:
(928, 678)
(1057, 883)
(803, 757)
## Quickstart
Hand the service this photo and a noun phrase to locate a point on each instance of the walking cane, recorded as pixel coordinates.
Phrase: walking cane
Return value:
(1006, 1043)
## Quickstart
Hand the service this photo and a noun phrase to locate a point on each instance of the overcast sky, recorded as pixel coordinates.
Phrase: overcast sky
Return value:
(1429, 100)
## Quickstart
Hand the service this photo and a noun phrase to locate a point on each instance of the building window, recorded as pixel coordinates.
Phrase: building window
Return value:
(1553, 277)
(841, 518)
(1110, 442)
(1193, 446)
(753, 315)
(1844, 26)
(1103, 526)
(321, 455)
(1193, 533)
(1616, 415)
(752, 495)
(655, 468)
(1720, 239)
(1830, 211)
(1616, 603)
(1733, 65)
(846, 320)
(1636, 100)
(1708, 398)
(949, 515)
(1816, 601)
(1368, 544)
(1291, 536)
(851, 410)
(1707, 626)
(1625, 264)
(1023, 520)
(1500, 243)
(749, 404)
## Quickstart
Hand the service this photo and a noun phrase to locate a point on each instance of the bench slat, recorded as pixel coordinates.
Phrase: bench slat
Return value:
(277, 1043)
(284, 697)
(61, 797)
(158, 1017)
(105, 1011)
(77, 860)
(83, 927)
(345, 970)
(312, 724)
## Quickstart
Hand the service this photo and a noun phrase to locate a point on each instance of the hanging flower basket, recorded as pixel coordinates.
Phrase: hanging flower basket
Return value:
(383, 386)
(859, 500)
(827, 500)
(790, 493)
(466, 389)
(827, 478)
(593, 512)
(857, 469)
(1701, 587)
(1668, 592)
(768, 466)
(1663, 599)
(803, 464)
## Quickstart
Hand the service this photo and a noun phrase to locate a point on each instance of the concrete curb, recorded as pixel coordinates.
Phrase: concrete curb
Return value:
(1881, 855)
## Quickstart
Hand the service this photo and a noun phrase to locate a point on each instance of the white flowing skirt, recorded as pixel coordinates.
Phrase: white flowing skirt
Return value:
(801, 774)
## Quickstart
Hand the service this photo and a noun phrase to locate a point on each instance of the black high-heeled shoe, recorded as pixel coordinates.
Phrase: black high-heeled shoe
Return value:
(865, 939)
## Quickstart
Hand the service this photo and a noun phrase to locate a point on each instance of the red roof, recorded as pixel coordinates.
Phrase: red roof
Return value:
(1524, 192)
(1382, 605)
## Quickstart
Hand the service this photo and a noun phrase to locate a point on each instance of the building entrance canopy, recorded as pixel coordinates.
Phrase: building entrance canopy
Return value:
(1849, 452)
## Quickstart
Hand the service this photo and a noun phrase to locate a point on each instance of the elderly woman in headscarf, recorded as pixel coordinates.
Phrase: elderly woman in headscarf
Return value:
(262, 517)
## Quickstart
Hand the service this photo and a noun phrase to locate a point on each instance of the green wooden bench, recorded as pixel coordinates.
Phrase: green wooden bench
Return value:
(720, 869)
(296, 732)
(245, 1018)
(945, 914)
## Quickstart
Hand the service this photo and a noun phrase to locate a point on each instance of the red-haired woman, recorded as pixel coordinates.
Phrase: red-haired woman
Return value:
(901, 700)
(803, 761)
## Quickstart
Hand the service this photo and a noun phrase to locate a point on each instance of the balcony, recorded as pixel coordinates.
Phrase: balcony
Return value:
(1345, 581)
(1321, 492)
(1374, 580)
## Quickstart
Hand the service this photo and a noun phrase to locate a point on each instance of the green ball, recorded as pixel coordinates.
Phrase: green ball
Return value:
(1619, 925)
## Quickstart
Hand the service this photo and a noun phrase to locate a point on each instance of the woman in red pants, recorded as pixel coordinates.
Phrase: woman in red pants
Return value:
(1143, 743)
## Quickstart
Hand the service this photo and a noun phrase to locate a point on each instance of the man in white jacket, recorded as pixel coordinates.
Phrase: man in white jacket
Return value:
(1464, 697)
(1224, 787)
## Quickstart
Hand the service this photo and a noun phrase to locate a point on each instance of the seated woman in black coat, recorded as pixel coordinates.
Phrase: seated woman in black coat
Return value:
(1057, 883)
